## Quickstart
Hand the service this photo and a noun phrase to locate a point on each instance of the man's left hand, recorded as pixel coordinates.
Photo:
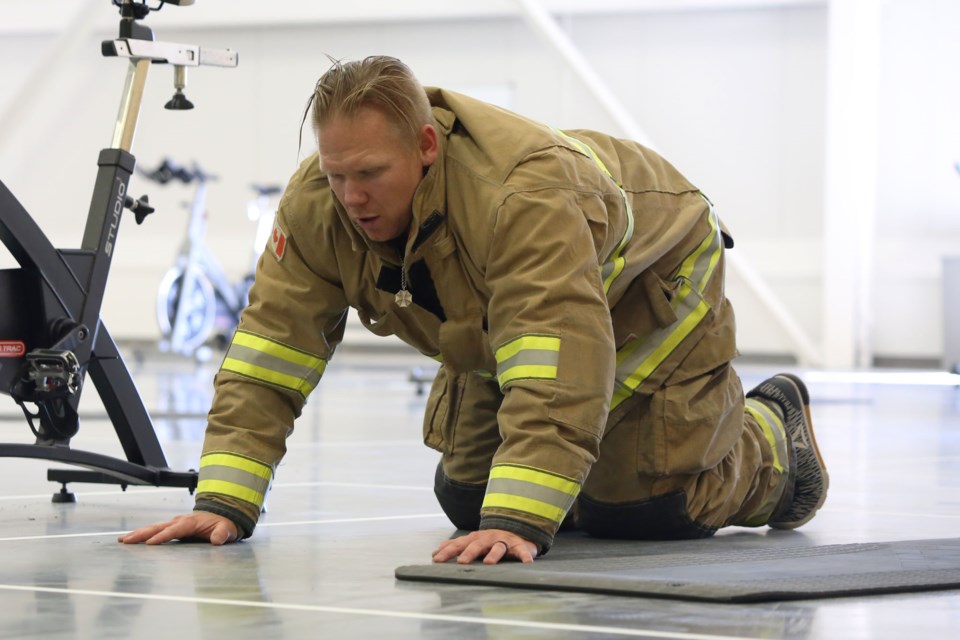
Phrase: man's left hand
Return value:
(493, 545)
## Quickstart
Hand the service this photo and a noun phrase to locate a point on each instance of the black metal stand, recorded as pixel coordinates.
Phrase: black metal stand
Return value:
(55, 285)
(51, 334)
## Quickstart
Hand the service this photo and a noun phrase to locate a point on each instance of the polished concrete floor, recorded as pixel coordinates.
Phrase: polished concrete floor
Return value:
(353, 500)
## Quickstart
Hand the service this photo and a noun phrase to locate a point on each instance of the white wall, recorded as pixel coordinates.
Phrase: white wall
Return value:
(735, 98)
(918, 204)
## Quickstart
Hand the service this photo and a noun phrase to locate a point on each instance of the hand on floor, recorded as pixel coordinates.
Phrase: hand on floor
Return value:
(493, 545)
(199, 525)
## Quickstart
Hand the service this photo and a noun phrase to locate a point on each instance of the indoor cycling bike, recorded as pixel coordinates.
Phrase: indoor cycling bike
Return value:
(197, 303)
(51, 333)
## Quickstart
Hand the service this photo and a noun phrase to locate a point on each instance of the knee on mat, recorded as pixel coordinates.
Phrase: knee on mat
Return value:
(659, 518)
(459, 500)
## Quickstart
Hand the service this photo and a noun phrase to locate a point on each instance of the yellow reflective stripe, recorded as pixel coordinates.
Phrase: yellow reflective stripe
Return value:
(269, 361)
(526, 505)
(772, 429)
(694, 267)
(652, 353)
(540, 372)
(267, 375)
(237, 462)
(587, 151)
(668, 344)
(234, 476)
(515, 346)
(230, 489)
(613, 266)
(529, 474)
(637, 360)
(530, 490)
(277, 350)
(620, 393)
(617, 262)
(526, 357)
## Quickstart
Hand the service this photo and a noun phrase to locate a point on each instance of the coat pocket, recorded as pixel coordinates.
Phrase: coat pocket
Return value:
(386, 324)
(443, 407)
(691, 426)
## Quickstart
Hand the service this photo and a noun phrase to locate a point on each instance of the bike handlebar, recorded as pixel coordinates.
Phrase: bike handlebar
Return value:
(168, 171)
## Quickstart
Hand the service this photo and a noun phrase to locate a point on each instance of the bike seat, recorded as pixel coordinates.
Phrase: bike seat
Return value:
(267, 190)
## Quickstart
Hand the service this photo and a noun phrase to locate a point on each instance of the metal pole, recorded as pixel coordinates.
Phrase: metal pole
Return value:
(541, 22)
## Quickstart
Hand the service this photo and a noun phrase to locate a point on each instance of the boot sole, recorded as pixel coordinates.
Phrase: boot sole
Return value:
(801, 391)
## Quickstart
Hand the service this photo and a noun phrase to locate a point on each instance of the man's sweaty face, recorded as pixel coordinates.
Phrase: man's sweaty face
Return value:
(372, 172)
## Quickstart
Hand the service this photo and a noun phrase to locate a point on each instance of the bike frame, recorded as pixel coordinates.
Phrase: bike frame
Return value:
(198, 272)
(51, 327)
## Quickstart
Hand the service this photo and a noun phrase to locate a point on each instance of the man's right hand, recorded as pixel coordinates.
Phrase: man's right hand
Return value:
(199, 525)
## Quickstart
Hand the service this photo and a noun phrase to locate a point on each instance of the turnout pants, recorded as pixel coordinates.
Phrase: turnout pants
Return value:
(679, 463)
(683, 452)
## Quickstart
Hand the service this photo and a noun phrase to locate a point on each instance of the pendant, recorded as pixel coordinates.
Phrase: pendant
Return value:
(403, 298)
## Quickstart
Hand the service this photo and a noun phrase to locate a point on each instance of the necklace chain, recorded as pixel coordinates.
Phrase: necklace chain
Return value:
(403, 297)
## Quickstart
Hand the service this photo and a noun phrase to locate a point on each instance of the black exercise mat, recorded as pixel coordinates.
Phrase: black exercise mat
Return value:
(706, 571)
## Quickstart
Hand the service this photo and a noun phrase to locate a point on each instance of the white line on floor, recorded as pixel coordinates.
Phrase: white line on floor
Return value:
(646, 633)
(349, 520)
(896, 514)
(260, 525)
(278, 485)
(356, 485)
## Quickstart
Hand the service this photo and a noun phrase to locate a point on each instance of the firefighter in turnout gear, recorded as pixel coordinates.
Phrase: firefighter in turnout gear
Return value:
(571, 285)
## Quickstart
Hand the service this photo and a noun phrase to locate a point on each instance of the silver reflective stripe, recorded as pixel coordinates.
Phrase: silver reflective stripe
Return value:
(773, 431)
(266, 360)
(528, 356)
(559, 499)
(273, 363)
(234, 476)
(640, 357)
(529, 490)
(612, 266)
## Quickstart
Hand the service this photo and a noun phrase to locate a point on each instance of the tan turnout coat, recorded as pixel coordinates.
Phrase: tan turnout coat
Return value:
(571, 273)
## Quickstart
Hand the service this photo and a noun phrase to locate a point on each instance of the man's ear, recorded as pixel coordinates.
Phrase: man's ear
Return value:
(429, 145)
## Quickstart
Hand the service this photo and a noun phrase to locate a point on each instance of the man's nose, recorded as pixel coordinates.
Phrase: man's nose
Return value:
(353, 194)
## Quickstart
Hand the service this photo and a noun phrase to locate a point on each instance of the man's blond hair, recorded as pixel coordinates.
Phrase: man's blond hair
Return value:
(380, 82)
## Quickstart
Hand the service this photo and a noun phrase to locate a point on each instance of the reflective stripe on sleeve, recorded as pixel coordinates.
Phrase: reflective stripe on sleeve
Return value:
(234, 476)
(640, 357)
(530, 490)
(528, 356)
(269, 361)
(613, 265)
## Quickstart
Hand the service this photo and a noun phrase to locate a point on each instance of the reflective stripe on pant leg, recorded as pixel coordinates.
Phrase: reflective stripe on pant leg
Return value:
(771, 424)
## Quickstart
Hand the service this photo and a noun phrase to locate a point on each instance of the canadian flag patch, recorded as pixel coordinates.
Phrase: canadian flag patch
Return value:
(278, 241)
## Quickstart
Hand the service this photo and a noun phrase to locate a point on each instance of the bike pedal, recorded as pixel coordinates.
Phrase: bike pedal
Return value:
(52, 372)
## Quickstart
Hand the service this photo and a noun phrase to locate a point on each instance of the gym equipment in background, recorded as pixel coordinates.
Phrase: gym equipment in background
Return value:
(51, 333)
(197, 303)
